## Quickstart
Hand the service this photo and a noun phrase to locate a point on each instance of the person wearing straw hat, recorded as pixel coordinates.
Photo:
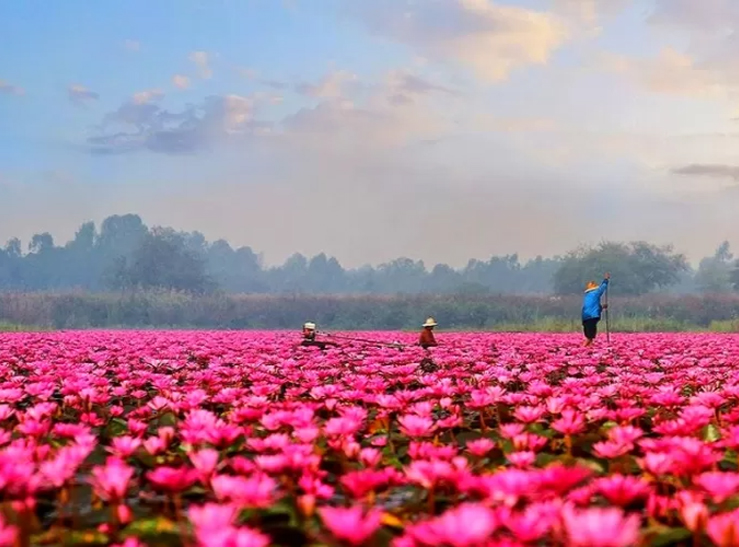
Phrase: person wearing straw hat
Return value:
(427, 339)
(592, 308)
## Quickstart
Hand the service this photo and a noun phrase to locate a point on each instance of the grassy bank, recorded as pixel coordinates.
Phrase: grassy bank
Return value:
(15, 327)
(658, 313)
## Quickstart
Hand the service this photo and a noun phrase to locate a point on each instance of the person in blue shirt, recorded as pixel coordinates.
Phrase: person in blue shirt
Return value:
(592, 308)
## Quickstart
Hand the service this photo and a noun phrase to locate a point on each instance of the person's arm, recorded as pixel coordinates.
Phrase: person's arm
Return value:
(604, 285)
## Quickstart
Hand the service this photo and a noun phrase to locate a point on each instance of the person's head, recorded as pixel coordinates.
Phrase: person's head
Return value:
(429, 324)
(309, 327)
(591, 285)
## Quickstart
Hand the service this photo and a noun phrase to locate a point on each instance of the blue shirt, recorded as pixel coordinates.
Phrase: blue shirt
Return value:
(591, 307)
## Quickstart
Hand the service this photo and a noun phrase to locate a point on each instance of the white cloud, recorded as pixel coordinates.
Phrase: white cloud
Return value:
(673, 73)
(148, 96)
(180, 81)
(80, 95)
(10, 89)
(489, 38)
(202, 60)
(330, 87)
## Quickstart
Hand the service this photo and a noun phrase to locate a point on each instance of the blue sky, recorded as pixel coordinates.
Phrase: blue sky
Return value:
(438, 129)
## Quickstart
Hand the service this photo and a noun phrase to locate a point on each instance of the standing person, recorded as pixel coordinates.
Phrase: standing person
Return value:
(592, 308)
(427, 339)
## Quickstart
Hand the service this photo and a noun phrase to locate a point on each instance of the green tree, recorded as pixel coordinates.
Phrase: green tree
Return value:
(637, 268)
(714, 273)
(162, 261)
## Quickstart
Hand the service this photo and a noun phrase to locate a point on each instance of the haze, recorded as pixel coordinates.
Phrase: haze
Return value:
(434, 129)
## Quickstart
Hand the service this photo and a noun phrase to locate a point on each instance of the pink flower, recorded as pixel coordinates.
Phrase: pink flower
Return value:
(523, 460)
(248, 537)
(467, 525)
(110, 482)
(213, 523)
(723, 529)
(8, 534)
(370, 457)
(154, 445)
(534, 522)
(416, 426)
(480, 447)
(622, 490)
(611, 449)
(625, 435)
(571, 423)
(205, 462)
(693, 511)
(508, 431)
(528, 414)
(255, 492)
(719, 485)
(599, 527)
(125, 446)
(657, 463)
(130, 542)
(172, 479)
(361, 483)
(351, 525)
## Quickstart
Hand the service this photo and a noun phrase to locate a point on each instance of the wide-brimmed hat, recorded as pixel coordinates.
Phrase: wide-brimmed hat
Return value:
(429, 322)
(309, 326)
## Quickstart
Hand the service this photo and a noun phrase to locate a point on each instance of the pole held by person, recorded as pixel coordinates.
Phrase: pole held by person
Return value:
(592, 308)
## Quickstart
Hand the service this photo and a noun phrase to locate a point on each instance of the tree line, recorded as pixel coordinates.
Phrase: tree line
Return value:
(125, 256)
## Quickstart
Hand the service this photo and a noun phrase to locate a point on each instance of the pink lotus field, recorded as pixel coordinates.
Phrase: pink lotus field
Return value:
(220, 439)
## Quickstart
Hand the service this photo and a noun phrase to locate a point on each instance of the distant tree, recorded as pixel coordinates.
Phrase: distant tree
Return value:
(120, 235)
(13, 248)
(714, 273)
(162, 261)
(637, 268)
(41, 243)
(325, 275)
(402, 275)
(443, 278)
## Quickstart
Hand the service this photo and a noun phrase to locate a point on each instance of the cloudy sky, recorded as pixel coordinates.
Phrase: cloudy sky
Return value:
(371, 129)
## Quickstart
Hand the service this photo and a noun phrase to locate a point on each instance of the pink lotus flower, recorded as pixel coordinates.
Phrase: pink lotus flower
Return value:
(599, 527)
(657, 463)
(361, 483)
(124, 447)
(622, 490)
(534, 522)
(416, 426)
(8, 534)
(465, 526)
(528, 414)
(370, 457)
(256, 491)
(205, 463)
(723, 529)
(213, 523)
(110, 482)
(351, 525)
(719, 485)
(692, 510)
(480, 447)
(172, 479)
(154, 445)
(571, 423)
(522, 460)
(611, 449)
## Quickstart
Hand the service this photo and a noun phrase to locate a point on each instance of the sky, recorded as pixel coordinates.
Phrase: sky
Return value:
(439, 130)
